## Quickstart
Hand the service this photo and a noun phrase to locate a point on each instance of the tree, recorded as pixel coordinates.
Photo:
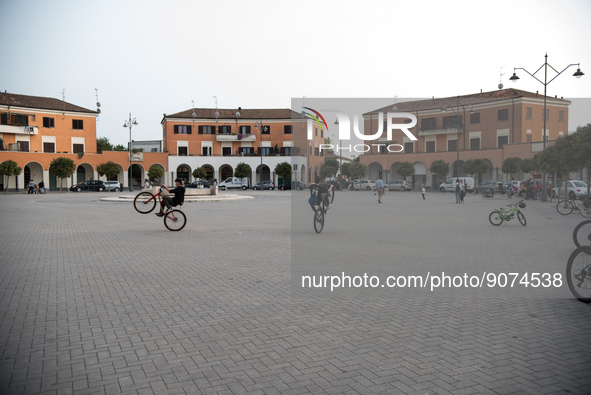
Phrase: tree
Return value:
(333, 162)
(440, 168)
(119, 147)
(242, 170)
(10, 168)
(345, 169)
(62, 168)
(156, 172)
(511, 165)
(329, 143)
(476, 167)
(327, 171)
(406, 169)
(109, 169)
(103, 144)
(583, 151)
(528, 165)
(283, 169)
(201, 173)
(357, 170)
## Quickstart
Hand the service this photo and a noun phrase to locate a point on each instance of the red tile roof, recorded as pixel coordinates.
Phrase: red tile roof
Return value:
(209, 113)
(38, 102)
(466, 100)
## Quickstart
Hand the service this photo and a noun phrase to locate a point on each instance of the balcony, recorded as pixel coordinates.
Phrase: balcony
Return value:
(431, 132)
(235, 137)
(19, 129)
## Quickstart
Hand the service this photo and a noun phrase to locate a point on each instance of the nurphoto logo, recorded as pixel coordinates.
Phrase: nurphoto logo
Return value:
(344, 125)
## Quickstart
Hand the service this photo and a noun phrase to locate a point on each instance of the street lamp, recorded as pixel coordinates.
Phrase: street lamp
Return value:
(514, 78)
(128, 124)
(262, 128)
(457, 112)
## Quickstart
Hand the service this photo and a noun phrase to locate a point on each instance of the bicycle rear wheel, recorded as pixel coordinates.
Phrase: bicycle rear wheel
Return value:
(521, 218)
(582, 234)
(144, 202)
(319, 219)
(578, 273)
(496, 218)
(565, 207)
(175, 220)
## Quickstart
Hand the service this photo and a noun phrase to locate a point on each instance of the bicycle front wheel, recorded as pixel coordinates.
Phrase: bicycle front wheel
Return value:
(319, 219)
(582, 234)
(175, 220)
(564, 207)
(144, 202)
(578, 273)
(521, 218)
(331, 196)
(496, 218)
(585, 211)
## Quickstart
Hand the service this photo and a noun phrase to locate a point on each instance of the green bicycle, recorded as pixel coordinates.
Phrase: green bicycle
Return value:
(507, 214)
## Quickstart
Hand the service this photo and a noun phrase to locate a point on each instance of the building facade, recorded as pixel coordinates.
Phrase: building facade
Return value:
(219, 139)
(492, 126)
(35, 130)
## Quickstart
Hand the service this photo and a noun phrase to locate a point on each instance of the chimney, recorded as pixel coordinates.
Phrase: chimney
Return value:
(480, 90)
(537, 92)
(555, 96)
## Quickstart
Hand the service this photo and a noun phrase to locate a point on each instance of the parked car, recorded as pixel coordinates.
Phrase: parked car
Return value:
(112, 186)
(335, 184)
(450, 184)
(398, 185)
(264, 185)
(293, 185)
(234, 183)
(199, 184)
(486, 185)
(89, 185)
(362, 184)
(575, 189)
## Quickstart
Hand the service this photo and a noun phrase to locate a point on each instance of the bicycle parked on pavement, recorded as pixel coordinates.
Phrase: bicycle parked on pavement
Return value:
(578, 273)
(501, 215)
(565, 207)
(145, 202)
(582, 234)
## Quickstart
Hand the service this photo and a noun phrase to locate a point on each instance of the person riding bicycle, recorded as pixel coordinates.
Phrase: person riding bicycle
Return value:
(322, 191)
(177, 199)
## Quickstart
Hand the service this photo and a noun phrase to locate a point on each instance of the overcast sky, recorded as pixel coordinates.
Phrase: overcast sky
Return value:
(153, 57)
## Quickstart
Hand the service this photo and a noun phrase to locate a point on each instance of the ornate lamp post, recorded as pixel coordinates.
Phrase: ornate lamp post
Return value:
(128, 124)
(545, 66)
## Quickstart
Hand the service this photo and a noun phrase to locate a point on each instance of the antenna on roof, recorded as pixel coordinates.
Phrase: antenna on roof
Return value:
(193, 108)
(501, 77)
(64, 102)
(98, 104)
(217, 113)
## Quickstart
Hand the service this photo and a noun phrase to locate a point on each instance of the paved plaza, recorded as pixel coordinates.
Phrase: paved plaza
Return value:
(96, 298)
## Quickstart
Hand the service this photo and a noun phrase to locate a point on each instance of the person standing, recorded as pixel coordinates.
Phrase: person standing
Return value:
(463, 191)
(380, 189)
(458, 190)
(423, 191)
(31, 186)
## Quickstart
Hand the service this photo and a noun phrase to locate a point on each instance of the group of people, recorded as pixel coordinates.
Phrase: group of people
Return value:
(461, 189)
(380, 190)
(34, 188)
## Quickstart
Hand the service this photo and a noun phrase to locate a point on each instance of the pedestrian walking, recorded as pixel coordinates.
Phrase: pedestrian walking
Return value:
(380, 189)
(423, 191)
(463, 190)
(458, 191)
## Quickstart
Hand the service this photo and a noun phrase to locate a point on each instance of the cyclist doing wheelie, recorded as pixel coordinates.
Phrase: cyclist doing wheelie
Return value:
(177, 199)
(322, 192)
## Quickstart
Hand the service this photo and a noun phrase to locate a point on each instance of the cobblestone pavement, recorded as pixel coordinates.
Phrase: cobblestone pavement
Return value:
(96, 298)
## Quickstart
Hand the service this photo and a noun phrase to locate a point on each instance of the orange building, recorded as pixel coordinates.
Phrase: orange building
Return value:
(219, 139)
(492, 126)
(35, 130)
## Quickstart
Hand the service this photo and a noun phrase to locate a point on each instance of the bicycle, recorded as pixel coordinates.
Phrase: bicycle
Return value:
(320, 207)
(578, 273)
(566, 206)
(498, 216)
(582, 234)
(145, 202)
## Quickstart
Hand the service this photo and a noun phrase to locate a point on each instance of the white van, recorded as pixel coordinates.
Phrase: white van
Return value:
(450, 184)
(234, 182)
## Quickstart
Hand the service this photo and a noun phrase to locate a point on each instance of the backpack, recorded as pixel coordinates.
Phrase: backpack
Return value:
(457, 187)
